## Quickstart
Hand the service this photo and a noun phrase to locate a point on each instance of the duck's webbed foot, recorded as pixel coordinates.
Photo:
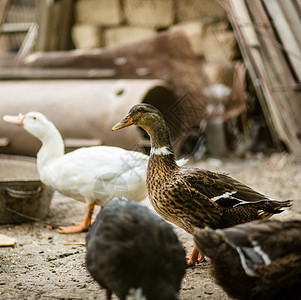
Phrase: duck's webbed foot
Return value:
(79, 227)
(195, 257)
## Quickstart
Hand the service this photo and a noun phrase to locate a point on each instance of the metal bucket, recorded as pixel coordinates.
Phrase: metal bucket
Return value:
(22, 195)
(84, 111)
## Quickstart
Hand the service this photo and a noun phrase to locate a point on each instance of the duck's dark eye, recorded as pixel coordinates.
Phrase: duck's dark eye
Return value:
(140, 109)
(34, 118)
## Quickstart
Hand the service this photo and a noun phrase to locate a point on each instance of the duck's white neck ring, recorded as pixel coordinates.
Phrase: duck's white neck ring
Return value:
(160, 151)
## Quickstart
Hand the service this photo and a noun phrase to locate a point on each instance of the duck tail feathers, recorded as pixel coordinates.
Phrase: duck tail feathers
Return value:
(276, 207)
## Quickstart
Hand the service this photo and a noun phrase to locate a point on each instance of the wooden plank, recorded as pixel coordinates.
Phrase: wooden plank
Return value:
(293, 18)
(245, 32)
(42, 43)
(271, 51)
(242, 17)
(246, 36)
(271, 110)
(66, 22)
(29, 41)
(15, 27)
(4, 5)
(55, 25)
(283, 100)
(27, 73)
(286, 34)
(270, 73)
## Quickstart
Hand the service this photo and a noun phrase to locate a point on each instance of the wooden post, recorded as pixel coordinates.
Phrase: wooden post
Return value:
(4, 5)
(54, 25)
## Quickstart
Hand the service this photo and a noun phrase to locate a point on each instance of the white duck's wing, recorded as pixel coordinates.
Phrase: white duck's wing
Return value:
(80, 173)
(126, 179)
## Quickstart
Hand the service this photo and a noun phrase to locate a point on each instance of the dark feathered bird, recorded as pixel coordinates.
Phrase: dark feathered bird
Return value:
(133, 252)
(190, 197)
(257, 260)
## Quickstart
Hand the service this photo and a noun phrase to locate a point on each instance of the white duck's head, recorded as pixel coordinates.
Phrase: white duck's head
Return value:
(35, 123)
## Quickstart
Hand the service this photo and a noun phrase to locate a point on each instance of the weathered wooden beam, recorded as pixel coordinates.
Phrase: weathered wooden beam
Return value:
(288, 23)
(297, 4)
(29, 41)
(15, 27)
(4, 5)
(66, 16)
(280, 83)
(249, 45)
(270, 71)
(27, 73)
(54, 25)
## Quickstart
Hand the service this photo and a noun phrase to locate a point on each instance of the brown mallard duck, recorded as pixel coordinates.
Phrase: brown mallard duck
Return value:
(133, 252)
(190, 197)
(257, 260)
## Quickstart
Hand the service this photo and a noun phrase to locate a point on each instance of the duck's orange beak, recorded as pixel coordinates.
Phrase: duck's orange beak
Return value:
(16, 120)
(126, 122)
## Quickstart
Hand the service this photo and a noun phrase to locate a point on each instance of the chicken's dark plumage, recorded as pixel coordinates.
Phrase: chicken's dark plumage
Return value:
(259, 260)
(132, 250)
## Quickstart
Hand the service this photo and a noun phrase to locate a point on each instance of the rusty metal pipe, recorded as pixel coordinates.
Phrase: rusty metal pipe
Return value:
(82, 110)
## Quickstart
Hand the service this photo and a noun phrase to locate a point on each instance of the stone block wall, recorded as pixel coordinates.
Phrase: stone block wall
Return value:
(106, 23)
(188, 10)
(99, 12)
(112, 19)
(150, 13)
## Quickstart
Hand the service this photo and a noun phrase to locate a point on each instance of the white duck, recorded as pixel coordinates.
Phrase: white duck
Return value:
(93, 174)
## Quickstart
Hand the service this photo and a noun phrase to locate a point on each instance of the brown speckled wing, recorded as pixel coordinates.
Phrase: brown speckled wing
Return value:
(222, 189)
(188, 206)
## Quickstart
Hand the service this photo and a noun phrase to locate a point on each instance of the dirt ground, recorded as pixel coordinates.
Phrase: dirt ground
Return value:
(40, 266)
